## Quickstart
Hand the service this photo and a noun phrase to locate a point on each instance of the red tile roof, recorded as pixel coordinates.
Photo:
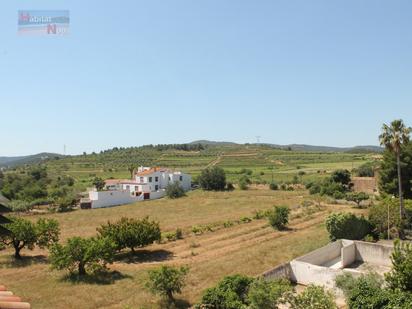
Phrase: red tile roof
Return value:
(151, 171)
(10, 301)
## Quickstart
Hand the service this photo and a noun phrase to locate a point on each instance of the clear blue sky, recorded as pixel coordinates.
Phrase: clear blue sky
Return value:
(137, 72)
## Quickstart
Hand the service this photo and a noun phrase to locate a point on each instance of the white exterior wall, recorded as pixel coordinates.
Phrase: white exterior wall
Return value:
(185, 183)
(102, 199)
(164, 178)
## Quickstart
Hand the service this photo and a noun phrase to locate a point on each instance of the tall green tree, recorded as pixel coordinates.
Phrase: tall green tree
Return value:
(393, 137)
(388, 173)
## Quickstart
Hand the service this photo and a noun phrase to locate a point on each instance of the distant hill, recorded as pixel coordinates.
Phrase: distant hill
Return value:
(30, 159)
(212, 143)
(301, 147)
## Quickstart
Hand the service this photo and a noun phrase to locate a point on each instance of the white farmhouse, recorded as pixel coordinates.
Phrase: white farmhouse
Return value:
(147, 184)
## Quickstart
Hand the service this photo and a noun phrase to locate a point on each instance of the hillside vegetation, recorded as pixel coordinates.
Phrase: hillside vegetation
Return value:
(263, 163)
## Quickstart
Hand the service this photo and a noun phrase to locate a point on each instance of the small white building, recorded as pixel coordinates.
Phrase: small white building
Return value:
(147, 184)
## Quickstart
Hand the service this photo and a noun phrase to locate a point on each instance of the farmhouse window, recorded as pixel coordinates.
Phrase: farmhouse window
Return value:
(181, 178)
(156, 179)
(150, 179)
(141, 179)
(156, 187)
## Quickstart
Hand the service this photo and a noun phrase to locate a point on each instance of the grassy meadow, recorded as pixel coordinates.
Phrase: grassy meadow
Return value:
(248, 248)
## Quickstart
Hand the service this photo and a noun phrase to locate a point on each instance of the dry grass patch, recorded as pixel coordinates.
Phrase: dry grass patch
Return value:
(248, 248)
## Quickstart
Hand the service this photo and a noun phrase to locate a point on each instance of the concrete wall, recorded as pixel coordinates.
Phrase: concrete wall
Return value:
(305, 273)
(281, 271)
(348, 254)
(374, 253)
(323, 255)
(308, 269)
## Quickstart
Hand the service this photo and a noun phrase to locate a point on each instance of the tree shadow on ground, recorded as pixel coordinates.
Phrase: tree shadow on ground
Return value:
(144, 256)
(100, 278)
(178, 304)
(25, 261)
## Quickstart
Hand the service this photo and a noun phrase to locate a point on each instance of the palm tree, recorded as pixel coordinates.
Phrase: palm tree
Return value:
(393, 137)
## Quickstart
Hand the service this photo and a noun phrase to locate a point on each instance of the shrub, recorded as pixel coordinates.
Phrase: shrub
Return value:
(283, 186)
(230, 186)
(65, 203)
(365, 170)
(20, 206)
(243, 185)
(166, 281)
(273, 186)
(357, 197)
(174, 190)
(341, 176)
(213, 179)
(227, 224)
(367, 291)
(245, 220)
(313, 297)
(347, 226)
(179, 233)
(279, 217)
(260, 214)
(170, 236)
(83, 254)
(400, 276)
(230, 293)
(131, 233)
(197, 230)
(363, 292)
(98, 183)
(264, 294)
(378, 215)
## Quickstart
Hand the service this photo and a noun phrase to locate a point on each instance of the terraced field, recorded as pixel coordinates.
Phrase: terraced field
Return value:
(266, 163)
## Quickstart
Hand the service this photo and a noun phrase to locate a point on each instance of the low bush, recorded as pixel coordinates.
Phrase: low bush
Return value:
(245, 220)
(167, 281)
(313, 297)
(174, 190)
(347, 226)
(378, 216)
(279, 217)
(273, 186)
(230, 186)
(263, 294)
(230, 293)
